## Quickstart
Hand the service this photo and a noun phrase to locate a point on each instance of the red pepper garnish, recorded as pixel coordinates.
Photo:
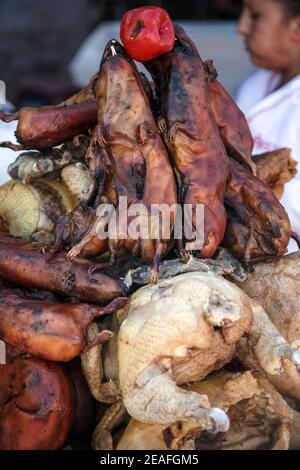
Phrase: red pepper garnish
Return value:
(147, 32)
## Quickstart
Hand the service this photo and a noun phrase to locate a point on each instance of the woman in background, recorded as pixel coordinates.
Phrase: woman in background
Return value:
(270, 97)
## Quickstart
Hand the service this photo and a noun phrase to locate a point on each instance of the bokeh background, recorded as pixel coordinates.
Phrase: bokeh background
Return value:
(48, 49)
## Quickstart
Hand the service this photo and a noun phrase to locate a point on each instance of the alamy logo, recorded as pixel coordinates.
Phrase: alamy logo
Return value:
(155, 222)
(2, 92)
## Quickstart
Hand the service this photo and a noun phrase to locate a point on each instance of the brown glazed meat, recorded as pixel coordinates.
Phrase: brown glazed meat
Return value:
(258, 226)
(84, 407)
(72, 228)
(233, 126)
(36, 405)
(199, 155)
(128, 138)
(48, 126)
(80, 226)
(47, 329)
(22, 263)
(276, 169)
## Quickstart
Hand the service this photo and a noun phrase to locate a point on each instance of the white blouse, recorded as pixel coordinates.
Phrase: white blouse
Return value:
(274, 119)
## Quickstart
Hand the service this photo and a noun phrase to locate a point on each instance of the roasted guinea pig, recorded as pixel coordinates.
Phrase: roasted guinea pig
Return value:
(276, 169)
(258, 226)
(128, 140)
(83, 402)
(48, 126)
(192, 136)
(232, 123)
(79, 229)
(24, 264)
(47, 329)
(36, 405)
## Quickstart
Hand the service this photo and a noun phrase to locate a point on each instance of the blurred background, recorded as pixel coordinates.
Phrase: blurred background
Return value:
(49, 49)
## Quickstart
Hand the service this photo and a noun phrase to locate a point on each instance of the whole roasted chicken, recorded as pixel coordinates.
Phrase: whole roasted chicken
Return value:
(177, 332)
(276, 285)
(259, 419)
(181, 330)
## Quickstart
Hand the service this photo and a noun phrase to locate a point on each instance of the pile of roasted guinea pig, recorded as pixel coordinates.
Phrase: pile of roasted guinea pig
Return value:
(117, 343)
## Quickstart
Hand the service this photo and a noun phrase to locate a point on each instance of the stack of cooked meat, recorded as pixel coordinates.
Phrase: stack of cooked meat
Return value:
(178, 141)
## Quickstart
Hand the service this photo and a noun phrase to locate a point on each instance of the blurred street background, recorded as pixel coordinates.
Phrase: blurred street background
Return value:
(48, 49)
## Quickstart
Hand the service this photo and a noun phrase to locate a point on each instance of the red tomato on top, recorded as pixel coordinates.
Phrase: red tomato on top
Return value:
(147, 32)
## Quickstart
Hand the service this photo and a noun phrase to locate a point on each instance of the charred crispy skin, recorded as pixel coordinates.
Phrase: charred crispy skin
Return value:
(258, 225)
(48, 126)
(192, 135)
(88, 93)
(83, 407)
(71, 228)
(127, 135)
(91, 244)
(101, 188)
(233, 126)
(276, 169)
(23, 263)
(36, 405)
(139, 160)
(80, 227)
(46, 329)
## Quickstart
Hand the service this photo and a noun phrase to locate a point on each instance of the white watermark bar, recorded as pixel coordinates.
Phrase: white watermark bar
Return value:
(2, 92)
(2, 352)
(138, 221)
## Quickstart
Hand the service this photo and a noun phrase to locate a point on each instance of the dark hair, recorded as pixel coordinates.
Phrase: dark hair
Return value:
(292, 7)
